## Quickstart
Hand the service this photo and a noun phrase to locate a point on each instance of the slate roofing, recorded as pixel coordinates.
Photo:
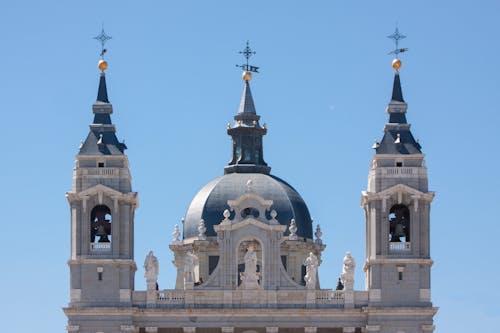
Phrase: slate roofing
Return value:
(397, 138)
(102, 139)
(211, 201)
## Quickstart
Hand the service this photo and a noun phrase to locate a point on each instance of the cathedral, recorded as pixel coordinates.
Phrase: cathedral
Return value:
(246, 254)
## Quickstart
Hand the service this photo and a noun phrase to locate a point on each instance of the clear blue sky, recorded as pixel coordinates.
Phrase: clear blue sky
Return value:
(324, 84)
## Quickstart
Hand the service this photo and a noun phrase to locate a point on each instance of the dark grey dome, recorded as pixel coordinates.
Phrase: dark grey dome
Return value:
(211, 201)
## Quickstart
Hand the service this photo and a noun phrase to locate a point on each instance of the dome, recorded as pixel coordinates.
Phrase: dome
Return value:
(211, 201)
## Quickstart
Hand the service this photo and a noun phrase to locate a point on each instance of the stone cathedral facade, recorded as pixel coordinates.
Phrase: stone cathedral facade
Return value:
(246, 254)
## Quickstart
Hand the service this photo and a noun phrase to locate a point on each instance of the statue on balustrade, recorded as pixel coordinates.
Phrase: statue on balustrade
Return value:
(151, 267)
(347, 276)
(190, 262)
(311, 277)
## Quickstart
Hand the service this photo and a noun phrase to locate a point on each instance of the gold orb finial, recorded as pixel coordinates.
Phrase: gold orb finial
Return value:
(247, 75)
(396, 64)
(102, 64)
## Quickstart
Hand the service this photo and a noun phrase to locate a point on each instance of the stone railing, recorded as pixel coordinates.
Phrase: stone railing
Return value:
(101, 171)
(397, 247)
(170, 296)
(330, 297)
(203, 298)
(100, 247)
(400, 171)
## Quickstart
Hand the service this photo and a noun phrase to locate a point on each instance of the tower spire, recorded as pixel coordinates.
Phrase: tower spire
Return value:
(102, 139)
(247, 133)
(398, 138)
(102, 92)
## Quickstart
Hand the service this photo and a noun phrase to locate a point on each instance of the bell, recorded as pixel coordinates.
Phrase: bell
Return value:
(103, 235)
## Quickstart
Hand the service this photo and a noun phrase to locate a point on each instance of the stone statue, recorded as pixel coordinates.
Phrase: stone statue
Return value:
(318, 235)
(311, 277)
(347, 276)
(250, 278)
(190, 261)
(151, 267)
(201, 230)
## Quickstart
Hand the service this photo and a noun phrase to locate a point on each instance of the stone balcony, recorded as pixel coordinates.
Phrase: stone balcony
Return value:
(239, 299)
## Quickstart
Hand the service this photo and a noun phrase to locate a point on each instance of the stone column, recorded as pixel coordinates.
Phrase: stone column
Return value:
(310, 329)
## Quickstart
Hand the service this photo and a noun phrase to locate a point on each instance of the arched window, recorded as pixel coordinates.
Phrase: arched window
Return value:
(399, 224)
(100, 225)
(249, 211)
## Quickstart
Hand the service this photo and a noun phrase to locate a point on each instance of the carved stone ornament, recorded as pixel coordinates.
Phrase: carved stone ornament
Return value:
(176, 234)
(293, 230)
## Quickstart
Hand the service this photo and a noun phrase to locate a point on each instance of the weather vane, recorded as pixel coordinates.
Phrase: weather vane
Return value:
(396, 36)
(247, 53)
(103, 38)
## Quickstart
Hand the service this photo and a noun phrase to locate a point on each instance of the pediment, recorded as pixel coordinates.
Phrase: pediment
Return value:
(100, 190)
(259, 224)
(396, 190)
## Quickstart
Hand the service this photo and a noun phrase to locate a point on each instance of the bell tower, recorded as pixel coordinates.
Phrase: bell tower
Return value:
(397, 209)
(102, 207)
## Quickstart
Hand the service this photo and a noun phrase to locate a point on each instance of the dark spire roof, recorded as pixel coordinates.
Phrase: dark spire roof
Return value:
(102, 92)
(397, 93)
(248, 154)
(398, 138)
(102, 139)
(247, 105)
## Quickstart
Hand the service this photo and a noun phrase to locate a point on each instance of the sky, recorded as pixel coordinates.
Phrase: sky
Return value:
(324, 83)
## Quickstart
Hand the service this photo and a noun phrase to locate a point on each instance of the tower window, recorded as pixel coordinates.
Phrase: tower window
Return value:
(100, 165)
(100, 228)
(399, 164)
(399, 224)
(400, 276)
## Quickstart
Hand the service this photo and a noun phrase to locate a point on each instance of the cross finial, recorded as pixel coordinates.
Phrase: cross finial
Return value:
(103, 38)
(247, 53)
(396, 36)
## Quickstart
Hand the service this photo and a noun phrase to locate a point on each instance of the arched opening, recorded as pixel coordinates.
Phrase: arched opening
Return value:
(249, 211)
(399, 224)
(100, 227)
